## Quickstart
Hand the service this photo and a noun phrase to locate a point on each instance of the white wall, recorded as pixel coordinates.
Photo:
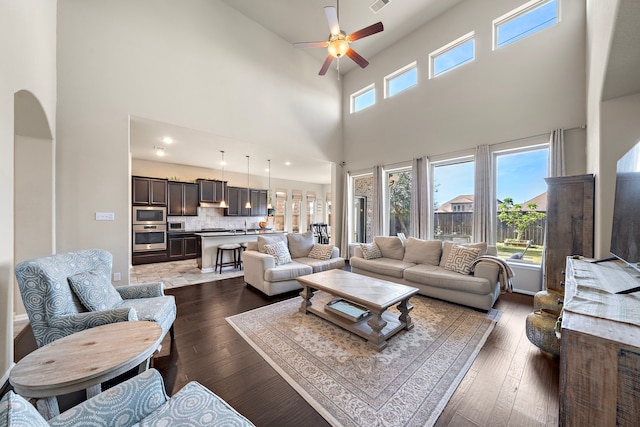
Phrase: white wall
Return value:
(527, 88)
(28, 51)
(194, 63)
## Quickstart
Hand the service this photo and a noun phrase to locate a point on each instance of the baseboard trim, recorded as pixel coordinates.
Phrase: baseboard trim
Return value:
(20, 317)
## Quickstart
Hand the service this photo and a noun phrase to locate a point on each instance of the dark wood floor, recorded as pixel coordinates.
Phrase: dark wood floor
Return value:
(510, 384)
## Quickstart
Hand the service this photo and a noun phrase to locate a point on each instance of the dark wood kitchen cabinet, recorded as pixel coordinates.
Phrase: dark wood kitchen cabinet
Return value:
(212, 191)
(183, 199)
(182, 246)
(148, 191)
(238, 198)
(258, 202)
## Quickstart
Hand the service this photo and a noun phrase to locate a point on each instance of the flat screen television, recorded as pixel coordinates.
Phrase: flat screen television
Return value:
(625, 231)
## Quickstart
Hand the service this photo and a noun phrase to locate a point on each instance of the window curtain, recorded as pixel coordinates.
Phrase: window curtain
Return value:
(346, 197)
(378, 196)
(556, 153)
(420, 198)
(482, 219)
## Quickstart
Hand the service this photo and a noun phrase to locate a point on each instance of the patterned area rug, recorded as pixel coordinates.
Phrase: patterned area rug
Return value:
(407, 384)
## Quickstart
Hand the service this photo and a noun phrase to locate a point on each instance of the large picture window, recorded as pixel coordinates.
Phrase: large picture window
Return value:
(399, 201)
(362, 208)
(453, 199)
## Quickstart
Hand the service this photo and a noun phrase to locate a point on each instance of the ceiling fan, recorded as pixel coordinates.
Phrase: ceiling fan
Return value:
(338, 43)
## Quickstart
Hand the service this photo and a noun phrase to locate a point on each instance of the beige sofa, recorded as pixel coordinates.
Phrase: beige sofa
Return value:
(262, 271)
(421, 264)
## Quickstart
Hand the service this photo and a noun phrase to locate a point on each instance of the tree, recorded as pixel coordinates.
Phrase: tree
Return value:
(400, 198)
(513, 215)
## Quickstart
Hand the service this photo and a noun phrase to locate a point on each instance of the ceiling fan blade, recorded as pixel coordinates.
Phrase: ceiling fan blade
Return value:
(332, 19)
(371, 29)
(310, 44)
(355, 56)
(326, 65)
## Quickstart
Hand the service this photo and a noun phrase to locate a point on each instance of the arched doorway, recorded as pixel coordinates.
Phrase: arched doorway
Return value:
(33, 185)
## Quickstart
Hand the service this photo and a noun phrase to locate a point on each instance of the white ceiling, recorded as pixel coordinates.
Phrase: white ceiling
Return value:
(294, 21)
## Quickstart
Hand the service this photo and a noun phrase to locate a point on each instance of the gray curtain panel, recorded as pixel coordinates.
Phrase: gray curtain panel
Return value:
(483, 199)
(420, 198)
(377, 226)
(556, 153)
(344, 243)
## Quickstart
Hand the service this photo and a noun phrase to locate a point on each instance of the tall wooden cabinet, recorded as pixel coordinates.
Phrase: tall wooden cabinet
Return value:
(569, 229)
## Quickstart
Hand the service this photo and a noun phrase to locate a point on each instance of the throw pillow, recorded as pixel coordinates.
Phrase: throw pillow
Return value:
(390, 246)
(279, 251)
(322, 252)
(370, 250)
(300, 244)
(95, 291)
(420, 251)
(461, 259)
(265, 240)
(447, 245)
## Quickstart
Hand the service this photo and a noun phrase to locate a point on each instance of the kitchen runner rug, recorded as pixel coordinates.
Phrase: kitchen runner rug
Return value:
(407, 384)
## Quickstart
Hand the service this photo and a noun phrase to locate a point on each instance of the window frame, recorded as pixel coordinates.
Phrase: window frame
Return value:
(402, 71)
(449, 47)
(355, 95)
(522, 10)
(386, 202)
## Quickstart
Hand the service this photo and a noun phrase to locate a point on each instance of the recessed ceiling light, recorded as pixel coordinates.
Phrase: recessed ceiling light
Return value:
(287, 163)
(167, 140)
(159, 150)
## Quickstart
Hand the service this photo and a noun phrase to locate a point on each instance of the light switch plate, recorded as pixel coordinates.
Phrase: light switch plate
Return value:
(105, 216)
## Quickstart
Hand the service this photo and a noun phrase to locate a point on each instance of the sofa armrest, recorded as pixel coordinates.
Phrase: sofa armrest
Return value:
(91, 319)
(335, 252)
(148, 290)
(136, 399)
(357, 252)
(487, 270)
(255, 264)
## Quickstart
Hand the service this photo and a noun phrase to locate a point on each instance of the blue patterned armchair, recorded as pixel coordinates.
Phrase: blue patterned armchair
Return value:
(70, 292)
(140, 401)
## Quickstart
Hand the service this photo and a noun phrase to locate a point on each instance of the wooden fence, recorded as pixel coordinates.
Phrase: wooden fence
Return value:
(460, 224)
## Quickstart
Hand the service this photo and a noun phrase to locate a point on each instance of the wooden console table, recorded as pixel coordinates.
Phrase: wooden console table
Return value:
(600, 357)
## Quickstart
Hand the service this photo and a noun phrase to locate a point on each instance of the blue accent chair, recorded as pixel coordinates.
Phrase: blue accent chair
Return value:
(71, 292)
(140, 401)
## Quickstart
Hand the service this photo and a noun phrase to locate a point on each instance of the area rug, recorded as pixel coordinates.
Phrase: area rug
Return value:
(407, 384)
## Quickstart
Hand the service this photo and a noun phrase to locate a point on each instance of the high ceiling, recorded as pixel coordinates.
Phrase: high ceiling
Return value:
(294, 21)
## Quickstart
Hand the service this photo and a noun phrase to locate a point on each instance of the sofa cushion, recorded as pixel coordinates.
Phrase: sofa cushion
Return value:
(95, 291)
(287, 272)
(279, 252)
(322, 252)
(440, 278)
(370, 250)
(322, 265)
(265, 240)
(300, 244)
(447, 245)
(461, 259)
(390, 246)
(386, 266)
(16, 411)
(421, 251)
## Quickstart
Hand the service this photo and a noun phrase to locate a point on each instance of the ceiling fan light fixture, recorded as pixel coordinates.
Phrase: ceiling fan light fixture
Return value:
(338, 45)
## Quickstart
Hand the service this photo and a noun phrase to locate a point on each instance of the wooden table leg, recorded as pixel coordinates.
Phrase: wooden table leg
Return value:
(306, 295)
(376, 338)
(48, 407)
(94, 390)
(404, 307)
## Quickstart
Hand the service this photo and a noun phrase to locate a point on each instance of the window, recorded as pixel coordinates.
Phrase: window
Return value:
(281, 204)
(311, 208)
(399, 201)
(296, 201)
(453, 55)
(521, 192)
(528, 19)
(362, 191)
(453, 199)
(400, 80)
(363, 98)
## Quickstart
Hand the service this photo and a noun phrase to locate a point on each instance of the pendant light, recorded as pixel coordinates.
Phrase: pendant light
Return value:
(248, 204)
(223, 204)
(269, 190)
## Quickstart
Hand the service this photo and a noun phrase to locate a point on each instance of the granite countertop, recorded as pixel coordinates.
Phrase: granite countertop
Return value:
(227, 233)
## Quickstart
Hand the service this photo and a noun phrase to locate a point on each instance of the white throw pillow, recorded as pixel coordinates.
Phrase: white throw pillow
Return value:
(279, 251)
(300, 244)
(322, 252)
(461, 259)
(370, 250)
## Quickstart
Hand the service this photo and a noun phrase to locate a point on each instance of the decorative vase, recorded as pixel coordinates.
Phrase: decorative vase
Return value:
(540, 328)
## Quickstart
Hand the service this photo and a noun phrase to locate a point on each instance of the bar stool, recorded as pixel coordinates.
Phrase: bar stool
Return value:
(234, 248)
(241, 249)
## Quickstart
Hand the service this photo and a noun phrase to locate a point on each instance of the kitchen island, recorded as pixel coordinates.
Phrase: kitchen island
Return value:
(210, 240)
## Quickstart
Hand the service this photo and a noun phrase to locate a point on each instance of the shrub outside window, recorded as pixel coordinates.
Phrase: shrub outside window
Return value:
(401, 80)
(363, 98)
(453, 55)
(528, 19)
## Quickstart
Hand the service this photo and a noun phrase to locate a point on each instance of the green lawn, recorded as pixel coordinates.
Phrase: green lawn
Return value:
(534, 253)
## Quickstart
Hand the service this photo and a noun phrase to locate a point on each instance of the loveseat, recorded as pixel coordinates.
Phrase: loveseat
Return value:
(272, 263)
(438, 269)
(140, 401)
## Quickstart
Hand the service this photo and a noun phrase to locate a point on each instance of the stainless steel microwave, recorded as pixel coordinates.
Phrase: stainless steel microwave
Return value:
(149, 215)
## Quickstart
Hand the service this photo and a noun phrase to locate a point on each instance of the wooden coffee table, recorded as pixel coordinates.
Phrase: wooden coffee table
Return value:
(374, 294)
(84, 360)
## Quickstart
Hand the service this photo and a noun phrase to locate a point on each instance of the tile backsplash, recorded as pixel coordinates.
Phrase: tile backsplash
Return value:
(209, 217)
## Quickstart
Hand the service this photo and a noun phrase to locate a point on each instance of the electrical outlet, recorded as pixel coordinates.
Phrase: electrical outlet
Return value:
(105, 216)
(117, 277)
